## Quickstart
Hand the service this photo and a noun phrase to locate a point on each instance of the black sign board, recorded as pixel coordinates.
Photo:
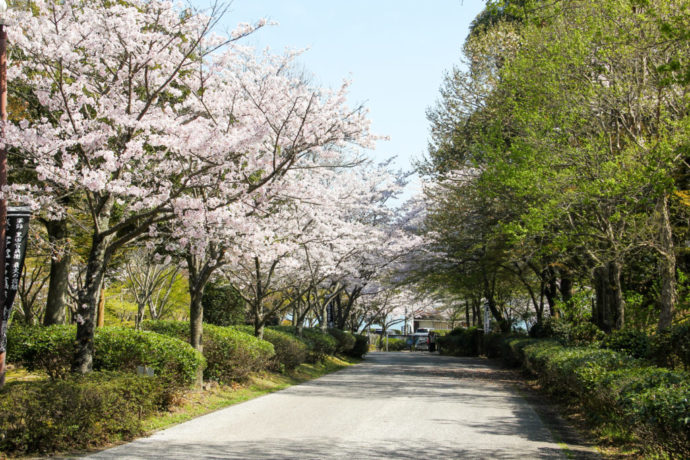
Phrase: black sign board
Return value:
(15, 250)
(330, 315)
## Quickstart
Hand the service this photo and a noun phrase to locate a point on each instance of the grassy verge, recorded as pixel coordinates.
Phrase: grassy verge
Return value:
(42, 429)
(215, 397)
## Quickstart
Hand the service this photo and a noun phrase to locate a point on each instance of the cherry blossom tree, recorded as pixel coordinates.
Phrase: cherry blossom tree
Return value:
(116, 130)
(293, 126)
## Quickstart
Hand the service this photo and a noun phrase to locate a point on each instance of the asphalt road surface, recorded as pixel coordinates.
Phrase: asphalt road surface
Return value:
(393, 405)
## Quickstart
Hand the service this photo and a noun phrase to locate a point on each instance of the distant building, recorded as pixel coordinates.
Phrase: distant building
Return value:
(432, 321)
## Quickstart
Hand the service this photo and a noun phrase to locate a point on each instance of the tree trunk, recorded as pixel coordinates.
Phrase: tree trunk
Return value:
(540, 308)
(496, 313)
(58, 285)
(601, 306)
(551, 290)
(609, 309)
(667, 266)
(196, 318)
(196, 312)
(475, 312)
(200, 272)
(493, 307)
(89, 296)
(258, 328)
(101, 309)
(345, 311)
(323, 324)
(619, 302)
(338, 309)
(141, 308)
(566, 288)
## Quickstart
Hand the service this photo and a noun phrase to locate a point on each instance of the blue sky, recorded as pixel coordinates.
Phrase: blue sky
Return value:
(394, 51)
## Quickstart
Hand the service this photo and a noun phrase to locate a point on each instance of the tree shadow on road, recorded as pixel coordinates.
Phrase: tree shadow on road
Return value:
(325, 448)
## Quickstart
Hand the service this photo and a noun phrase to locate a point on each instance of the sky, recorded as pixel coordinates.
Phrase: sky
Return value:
(394, 52)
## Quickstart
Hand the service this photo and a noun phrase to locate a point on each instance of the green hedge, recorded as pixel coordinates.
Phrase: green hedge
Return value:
(231, 354)
(567, 332)
(321, 344)
(115, 348)
(492, 345)
(613, 386)
(393, 344)
(361, 347)
(77, 412)
(461, 342)
(345, 341)
(48, 349)
(633, 343)
(290, 351)
(680, 340)
(671, 348)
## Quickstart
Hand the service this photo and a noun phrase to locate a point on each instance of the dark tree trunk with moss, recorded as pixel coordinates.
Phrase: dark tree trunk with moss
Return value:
(551, 290)
(566, 288)
(609, 308)
(89, 296)
(58, 284)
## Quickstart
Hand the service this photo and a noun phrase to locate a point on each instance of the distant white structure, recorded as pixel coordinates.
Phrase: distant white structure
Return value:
(432, 321)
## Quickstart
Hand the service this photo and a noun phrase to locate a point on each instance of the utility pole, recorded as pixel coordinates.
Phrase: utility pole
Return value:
(3, 181)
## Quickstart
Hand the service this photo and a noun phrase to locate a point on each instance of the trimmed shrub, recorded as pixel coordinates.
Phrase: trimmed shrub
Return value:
(320, 343)
(119, 348)
(290, 352)
(393, 344)
(615, 387)
(48, 349)
(575, 370)
(115, 349)
(345, 340)
(630, 342)
(671, 348)
(361, 346)
(513, 353)
(566, 332)
(231, 354)
(77, 412)
(680, 339)
(663, 417)
(586, 333)
(492, 345)
(461, 342)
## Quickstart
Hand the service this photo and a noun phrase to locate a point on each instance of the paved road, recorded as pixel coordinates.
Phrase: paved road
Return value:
(394, 405)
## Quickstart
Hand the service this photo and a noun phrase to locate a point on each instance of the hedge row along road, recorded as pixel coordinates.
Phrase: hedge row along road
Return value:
(395, 405)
